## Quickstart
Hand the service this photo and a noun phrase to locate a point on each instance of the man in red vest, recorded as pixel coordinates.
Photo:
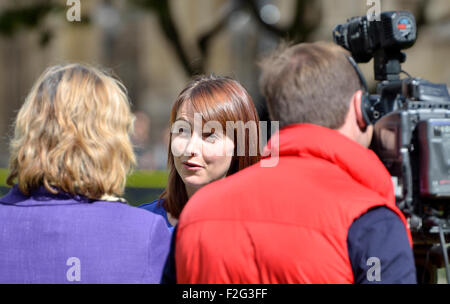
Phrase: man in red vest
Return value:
(325, 213)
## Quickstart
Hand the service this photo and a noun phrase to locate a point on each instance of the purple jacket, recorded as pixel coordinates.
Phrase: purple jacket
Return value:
(47, 238)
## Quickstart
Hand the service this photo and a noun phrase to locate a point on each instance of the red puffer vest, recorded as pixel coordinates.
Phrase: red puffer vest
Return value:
(287, 223)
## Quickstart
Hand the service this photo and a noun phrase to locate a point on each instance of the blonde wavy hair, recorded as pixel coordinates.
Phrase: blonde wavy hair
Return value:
(73, 134)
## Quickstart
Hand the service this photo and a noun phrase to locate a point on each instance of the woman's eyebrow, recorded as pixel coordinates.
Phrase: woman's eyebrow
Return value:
(182, 119)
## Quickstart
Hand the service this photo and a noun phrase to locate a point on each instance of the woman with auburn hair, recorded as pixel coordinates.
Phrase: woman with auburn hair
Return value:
(64, 219)
(214, 133)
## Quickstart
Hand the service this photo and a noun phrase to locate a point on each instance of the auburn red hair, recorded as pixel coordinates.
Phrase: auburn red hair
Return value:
(219, 99)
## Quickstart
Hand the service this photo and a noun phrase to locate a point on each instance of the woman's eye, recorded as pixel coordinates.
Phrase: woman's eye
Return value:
(181, 131)
(210, 137)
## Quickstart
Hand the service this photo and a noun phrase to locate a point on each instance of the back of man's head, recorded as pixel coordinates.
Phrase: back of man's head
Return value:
(309, 83)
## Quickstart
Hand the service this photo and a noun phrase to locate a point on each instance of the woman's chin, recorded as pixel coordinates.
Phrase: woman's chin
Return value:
(194, 182)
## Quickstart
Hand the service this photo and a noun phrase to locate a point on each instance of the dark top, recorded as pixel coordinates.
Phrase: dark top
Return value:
(157, 208)
(169, 275)
(378, 237)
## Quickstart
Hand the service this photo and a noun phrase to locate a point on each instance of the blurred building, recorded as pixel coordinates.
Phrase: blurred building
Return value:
(129, 40)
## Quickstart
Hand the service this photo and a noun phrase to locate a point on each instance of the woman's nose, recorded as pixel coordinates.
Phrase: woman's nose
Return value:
(194, 146)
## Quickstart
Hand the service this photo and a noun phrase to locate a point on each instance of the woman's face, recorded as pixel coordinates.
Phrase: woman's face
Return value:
(202, 153)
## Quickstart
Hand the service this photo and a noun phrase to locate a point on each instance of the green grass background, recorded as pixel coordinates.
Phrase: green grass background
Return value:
(142, 186)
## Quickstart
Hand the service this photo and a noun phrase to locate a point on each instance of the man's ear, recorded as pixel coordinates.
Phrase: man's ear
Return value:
(356, 102)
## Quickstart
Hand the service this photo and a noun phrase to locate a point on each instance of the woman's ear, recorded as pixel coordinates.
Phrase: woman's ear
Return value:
(357, 103)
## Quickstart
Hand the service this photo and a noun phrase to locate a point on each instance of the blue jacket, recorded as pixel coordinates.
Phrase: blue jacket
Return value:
(157, 208)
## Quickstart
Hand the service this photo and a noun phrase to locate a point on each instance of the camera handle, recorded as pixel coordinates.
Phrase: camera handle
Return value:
(406, 205)
(444, 252)
(387, 64)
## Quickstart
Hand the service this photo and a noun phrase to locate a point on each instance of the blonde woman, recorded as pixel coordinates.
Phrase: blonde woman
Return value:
(64, 220)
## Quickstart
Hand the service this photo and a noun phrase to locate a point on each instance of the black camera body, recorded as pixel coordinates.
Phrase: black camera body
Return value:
(412, 138)
(411, 118)
(363, 37)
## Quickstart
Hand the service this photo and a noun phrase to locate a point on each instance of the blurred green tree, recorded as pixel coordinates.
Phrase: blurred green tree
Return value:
(32, 16)
(298, 29)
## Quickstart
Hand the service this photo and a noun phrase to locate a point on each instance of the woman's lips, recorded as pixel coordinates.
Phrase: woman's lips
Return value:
(192, 166)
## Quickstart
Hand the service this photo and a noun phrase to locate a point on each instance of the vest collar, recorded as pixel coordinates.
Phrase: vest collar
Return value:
(362, 164)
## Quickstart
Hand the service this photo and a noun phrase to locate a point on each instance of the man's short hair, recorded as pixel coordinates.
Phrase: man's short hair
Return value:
(309, 83)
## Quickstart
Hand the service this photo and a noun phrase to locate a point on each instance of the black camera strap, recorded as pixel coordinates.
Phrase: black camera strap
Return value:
(360, 74)
(365, 99)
